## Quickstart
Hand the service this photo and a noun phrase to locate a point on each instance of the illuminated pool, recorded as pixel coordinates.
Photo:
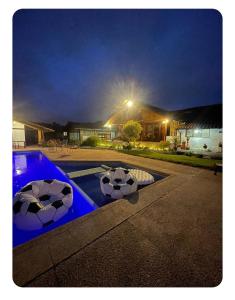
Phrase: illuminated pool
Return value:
(90, 184)
(33, 165)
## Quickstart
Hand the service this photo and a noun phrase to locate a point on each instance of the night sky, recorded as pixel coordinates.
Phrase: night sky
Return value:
(79, 65)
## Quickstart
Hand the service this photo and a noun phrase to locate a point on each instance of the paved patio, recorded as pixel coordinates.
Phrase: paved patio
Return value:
(168, 234)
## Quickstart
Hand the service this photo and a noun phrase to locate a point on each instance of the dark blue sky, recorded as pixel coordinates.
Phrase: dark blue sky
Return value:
(79, 64)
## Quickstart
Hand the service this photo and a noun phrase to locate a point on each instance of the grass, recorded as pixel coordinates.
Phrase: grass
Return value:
(193, 161)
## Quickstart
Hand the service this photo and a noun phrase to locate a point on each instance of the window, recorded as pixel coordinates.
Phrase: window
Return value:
(189, 132)
(205, 133)
(198, 133)
(74, 136)
(150, 129)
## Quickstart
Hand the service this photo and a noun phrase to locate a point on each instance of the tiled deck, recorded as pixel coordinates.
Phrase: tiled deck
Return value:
(167, 234)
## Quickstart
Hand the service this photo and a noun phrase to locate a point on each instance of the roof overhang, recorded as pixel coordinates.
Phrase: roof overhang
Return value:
(35, 126)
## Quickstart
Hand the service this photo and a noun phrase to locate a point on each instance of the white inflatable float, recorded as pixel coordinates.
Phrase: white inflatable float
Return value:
(41, 203)
(117, 183)
(143, 177)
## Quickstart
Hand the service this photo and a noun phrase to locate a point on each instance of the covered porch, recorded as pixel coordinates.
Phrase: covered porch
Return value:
(27, 133)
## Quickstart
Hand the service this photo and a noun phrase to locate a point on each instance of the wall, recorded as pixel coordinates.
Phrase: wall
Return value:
(196, 143)
(18, 134)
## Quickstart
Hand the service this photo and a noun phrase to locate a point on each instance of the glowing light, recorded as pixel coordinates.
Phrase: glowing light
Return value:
(18, 172)
(107, 125)
(129, 103)
(196, 131)
(165, 121)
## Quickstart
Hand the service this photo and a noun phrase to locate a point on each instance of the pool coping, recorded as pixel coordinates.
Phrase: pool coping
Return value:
(45, 252)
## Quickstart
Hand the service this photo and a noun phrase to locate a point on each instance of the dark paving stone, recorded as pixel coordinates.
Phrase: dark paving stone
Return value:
(47, 279)
(188, 228)
(121, 258)
(30, 263)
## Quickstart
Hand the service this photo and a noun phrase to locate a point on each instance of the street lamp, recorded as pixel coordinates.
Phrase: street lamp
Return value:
(129, 103)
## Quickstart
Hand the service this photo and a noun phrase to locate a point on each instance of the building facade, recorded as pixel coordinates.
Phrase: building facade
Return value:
(26, 133)
(154, 121)
(79, 132)
(194, 128)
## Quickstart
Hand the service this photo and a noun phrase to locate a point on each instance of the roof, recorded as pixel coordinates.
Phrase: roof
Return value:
(82, 125)
(137, 112)
(156, 109)
(35, 126)
(209, 116)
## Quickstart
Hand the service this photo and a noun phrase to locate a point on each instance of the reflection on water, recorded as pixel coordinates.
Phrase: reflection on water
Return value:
(19, 164)
(33, 165)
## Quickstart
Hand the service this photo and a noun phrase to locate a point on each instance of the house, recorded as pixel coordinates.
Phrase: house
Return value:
(154, 121)
(200, 127)
(195, 128)
(26, 133)
(76, 132)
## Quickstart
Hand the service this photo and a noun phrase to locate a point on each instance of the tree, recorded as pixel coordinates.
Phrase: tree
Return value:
(132, 130)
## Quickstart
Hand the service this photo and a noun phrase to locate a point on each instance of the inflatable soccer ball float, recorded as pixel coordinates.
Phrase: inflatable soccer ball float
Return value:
(120, 182)
(117, 183)
(41, 203)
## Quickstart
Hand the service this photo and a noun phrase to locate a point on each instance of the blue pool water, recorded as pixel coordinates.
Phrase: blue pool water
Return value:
(33, 165)
(90, 184)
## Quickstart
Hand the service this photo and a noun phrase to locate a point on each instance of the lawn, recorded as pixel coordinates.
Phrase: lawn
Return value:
(179, 159)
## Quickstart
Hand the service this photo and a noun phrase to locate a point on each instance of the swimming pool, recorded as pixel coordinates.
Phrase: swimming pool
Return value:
(90, 184)
(87, 196)
(33, 165)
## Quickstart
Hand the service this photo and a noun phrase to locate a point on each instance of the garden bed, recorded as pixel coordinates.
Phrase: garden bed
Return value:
(193, 161)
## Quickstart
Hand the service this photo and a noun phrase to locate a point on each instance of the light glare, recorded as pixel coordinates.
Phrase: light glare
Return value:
(129, 103)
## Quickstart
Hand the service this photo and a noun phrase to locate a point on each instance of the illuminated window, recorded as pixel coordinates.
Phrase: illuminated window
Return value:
(189, 132)
(205, 133)
(74, 136)
(197, 133)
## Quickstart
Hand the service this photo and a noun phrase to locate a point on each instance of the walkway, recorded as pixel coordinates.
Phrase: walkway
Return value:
(168, 234)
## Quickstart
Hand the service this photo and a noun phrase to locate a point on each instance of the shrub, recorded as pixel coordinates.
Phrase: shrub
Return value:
(198, 155)
(164, 144)
(127, 147)
(174, 143)
(146, 148)
(91, 141)
(188, 153)
(179, 152)
(132, 130)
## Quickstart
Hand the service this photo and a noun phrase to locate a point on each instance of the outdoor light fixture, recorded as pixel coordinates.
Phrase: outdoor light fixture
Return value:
(196, 131)
(129, 103)
(165, 121)
(107, 125)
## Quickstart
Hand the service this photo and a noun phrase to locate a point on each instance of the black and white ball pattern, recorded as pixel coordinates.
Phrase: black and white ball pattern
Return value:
(117, 183)
(143, 177)
(41, 203)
